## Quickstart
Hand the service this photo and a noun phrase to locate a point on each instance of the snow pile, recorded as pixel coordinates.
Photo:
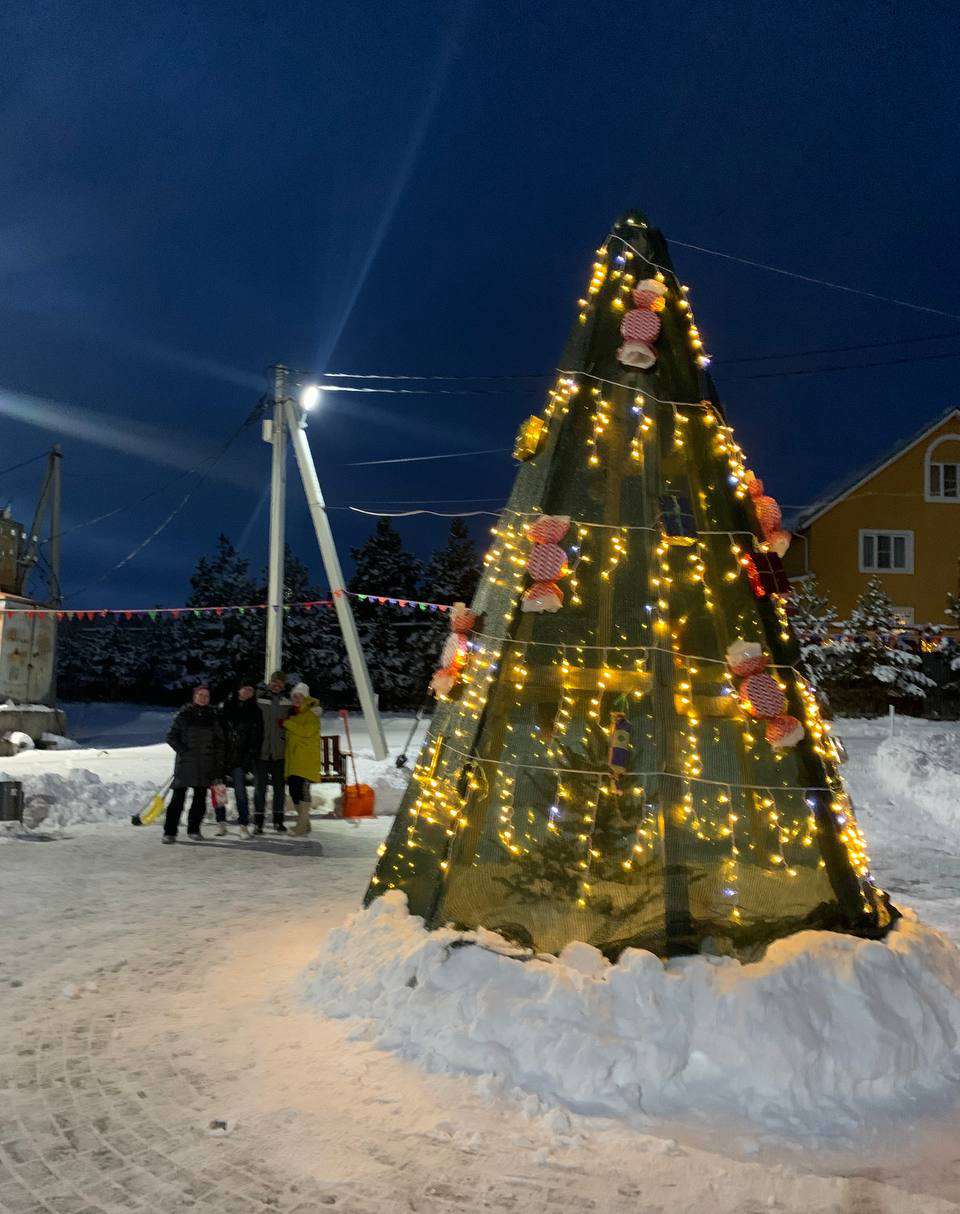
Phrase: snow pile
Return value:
(18, 739)
(56, 741)
(78, 795)
(926, 770)
(823, 1031)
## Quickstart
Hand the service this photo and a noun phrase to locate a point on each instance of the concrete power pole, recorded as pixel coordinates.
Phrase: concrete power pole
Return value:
(278, 504)
(331, 564)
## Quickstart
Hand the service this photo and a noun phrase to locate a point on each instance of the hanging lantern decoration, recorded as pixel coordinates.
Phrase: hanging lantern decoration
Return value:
(641, 325)
(761, 695)
(529, 438)
(769, 516)
(456, 648)
(546, 563)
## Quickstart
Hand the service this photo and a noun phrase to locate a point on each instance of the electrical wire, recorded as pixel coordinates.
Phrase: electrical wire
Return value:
(417, 459)
(887, 362)
(431, 378)
(211, 461)
(23, 463)
(152, 493)
(819, 282)
(873, 345)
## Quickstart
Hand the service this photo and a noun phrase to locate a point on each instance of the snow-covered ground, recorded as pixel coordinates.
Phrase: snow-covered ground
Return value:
(149, 992)
(123, 760)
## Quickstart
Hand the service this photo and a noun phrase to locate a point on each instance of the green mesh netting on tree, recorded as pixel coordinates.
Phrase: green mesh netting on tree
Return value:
(703, 835)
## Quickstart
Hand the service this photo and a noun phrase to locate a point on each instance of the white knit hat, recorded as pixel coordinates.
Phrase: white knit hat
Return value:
(301, 689)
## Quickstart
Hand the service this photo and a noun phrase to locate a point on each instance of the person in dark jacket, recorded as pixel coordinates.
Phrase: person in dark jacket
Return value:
(243, 727)
(198, 739)
(274, 707)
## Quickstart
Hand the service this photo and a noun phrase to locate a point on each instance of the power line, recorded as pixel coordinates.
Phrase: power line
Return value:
(212, 462)
(23, 463)
(889, 362)
(431, 378)
(416, 459)
(820, 282)
(160, 489)
(873, 345)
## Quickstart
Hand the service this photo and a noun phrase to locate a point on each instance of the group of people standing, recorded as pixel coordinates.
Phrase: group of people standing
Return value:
(266, 733)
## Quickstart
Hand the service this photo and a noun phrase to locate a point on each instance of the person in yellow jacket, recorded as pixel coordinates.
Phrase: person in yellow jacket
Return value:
(302, 763)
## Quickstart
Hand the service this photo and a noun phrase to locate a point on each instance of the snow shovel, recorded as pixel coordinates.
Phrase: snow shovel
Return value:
(401, 759)
(154, 807)
(358, 798)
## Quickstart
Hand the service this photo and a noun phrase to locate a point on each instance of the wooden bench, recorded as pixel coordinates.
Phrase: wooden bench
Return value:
(333, 761)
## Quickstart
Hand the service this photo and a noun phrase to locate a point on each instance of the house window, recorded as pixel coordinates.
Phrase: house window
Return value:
(904, 616)
(944, 482)
(886, 552)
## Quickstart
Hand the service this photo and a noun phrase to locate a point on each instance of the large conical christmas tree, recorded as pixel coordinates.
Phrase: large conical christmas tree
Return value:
(629, 756)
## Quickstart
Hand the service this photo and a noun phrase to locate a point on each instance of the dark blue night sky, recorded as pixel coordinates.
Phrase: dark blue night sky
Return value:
(193, 191)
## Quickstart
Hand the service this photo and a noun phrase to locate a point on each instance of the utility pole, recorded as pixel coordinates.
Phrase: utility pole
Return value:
(331, 563)
(56, 463)
(278, 502)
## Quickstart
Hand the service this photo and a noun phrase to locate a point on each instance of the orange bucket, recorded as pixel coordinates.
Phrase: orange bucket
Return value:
(358, 800)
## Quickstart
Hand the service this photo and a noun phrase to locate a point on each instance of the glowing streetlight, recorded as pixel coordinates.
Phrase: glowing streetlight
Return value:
(309, 397)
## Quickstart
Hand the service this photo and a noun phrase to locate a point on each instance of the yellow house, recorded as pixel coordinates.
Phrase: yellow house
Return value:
(899, 521)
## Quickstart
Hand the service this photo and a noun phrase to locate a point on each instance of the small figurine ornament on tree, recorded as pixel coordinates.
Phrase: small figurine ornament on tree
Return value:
(616, 771)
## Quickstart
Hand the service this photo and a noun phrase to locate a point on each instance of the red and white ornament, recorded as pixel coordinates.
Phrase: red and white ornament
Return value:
(548, 528)
(746, 657)
(546, 562)
(784, 732)
(636, 354)
(640, 326)
(769, 515)
(542, 597)
(456, 649)
(650, 293)
(762, 696)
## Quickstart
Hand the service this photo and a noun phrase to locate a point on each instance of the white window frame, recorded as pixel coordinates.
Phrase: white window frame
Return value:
(928, 464)
(877, 531)
(905, 616)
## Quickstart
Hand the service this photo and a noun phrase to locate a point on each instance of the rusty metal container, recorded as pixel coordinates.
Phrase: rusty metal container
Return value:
(28, 638)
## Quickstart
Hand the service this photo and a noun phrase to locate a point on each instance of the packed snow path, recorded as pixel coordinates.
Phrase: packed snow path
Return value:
(147, 992)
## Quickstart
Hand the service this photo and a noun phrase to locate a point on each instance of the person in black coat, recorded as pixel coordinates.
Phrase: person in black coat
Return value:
(197, 737)
(243, 728)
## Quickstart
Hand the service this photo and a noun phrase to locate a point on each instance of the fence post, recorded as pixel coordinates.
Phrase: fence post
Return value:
(893, 720)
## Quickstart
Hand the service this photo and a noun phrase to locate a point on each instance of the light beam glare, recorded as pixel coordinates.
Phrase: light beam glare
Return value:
(450, 49)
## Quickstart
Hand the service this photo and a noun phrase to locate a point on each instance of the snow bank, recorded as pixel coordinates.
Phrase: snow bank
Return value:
(78, 795)
(825, 1030)
(926, 769)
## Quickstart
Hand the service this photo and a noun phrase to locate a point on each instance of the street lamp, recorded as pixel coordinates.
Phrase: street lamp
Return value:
(310, 396)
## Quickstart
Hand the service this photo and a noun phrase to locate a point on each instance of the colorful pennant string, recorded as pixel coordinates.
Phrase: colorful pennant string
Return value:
(154, 613)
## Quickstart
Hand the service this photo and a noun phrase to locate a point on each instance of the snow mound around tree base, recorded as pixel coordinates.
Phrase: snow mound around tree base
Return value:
(827, 1030)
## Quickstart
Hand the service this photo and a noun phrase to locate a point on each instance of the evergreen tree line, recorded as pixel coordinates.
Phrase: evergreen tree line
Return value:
(870, 660)
(158, 661)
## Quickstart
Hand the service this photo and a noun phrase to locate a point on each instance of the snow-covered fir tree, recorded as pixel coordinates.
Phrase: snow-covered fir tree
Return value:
(815, 623)
(451, 576)
(873, 650)
(384, 567)
(221, 648)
